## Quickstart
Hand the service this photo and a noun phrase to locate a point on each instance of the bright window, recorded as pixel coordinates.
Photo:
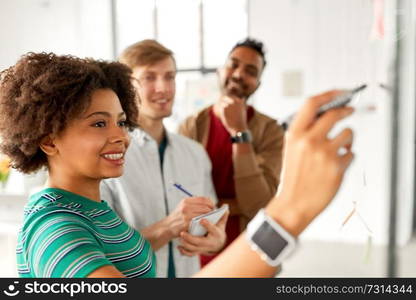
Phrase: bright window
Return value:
(199, 32)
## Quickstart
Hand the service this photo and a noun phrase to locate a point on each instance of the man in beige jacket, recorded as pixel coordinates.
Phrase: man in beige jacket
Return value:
(244, 145)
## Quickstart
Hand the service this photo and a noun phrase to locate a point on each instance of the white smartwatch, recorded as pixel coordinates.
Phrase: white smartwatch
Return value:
(269, 239)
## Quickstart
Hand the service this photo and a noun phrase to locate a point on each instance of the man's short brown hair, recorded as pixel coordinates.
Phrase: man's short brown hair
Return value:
(144, 53)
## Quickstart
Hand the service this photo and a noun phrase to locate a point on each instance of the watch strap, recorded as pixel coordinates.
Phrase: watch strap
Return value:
(270, 240)
(242, 137)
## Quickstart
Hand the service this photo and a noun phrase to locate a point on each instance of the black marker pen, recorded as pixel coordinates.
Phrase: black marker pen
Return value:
(341, 100)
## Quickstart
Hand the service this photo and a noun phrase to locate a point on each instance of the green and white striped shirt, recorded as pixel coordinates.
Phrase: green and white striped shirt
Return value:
(67, 235)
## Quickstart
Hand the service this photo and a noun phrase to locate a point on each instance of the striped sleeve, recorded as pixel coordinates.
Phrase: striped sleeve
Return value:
(62, 246)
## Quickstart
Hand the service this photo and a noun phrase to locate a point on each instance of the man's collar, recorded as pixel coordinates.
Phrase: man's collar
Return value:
(143, 137)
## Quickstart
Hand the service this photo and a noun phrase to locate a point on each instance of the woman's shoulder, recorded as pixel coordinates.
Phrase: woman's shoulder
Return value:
(54, 208)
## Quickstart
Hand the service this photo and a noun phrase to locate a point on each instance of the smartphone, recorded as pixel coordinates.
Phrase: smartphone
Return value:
(341, 100)
(195, 228)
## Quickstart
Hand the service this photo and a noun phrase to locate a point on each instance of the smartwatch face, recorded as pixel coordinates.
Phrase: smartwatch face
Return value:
(270, 241)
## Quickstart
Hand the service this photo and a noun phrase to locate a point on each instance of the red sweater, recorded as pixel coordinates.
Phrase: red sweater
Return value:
(219, 148)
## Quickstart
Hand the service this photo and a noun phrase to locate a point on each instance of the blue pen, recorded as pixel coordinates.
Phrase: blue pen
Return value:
(179, 187)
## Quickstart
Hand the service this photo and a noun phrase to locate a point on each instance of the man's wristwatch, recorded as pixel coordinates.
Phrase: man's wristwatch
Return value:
(269, 239)
(242, 137)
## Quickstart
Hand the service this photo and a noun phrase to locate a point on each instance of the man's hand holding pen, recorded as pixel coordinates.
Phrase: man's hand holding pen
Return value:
(215, 238)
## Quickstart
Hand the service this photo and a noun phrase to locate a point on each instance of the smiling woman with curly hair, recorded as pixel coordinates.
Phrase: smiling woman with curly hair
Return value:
(71, 115)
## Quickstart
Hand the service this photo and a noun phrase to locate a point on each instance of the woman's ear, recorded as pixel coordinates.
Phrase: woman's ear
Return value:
(138, 99)
(48, 146)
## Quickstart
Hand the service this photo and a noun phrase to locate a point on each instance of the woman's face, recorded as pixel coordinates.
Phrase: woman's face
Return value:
(93, 145)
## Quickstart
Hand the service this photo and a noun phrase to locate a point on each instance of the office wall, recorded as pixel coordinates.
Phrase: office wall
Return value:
(77, 27)
(329, 44)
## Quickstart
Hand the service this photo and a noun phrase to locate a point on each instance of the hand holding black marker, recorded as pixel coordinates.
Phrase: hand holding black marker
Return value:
(341, 100)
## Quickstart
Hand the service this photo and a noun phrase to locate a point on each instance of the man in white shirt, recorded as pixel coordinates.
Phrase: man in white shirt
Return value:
(156, 159)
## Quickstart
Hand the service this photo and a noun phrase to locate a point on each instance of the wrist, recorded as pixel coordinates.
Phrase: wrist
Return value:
(270, 239)
(242, 137)
(234, 131)
(170, 227)
(292, 218)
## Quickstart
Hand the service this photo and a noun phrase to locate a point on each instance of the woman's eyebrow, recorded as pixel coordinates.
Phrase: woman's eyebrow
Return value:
(104, 113)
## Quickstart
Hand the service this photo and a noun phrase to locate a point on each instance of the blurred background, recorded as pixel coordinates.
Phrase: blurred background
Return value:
(312, 46)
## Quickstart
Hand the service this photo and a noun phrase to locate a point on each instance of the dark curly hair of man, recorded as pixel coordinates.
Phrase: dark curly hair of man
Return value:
(253, 44)
(42, 92)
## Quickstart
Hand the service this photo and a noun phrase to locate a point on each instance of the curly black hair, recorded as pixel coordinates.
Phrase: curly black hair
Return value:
(42, 92)
(254, 44)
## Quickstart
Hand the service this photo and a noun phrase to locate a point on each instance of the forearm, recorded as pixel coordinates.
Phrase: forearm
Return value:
(253, 188)
(253, 193)
(239, 260)
(158, 234)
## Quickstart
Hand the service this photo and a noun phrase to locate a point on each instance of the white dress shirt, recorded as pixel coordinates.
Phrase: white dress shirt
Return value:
(138, 196)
